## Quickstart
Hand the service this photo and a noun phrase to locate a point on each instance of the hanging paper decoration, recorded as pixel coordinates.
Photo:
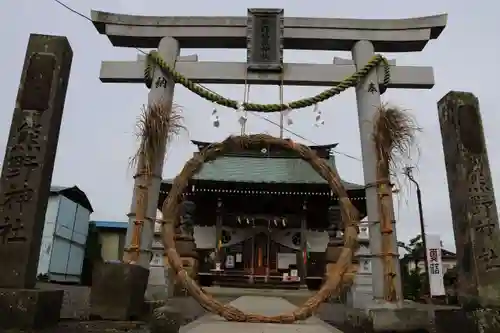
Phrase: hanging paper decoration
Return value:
(241, 108)
(215, 119)
(318, 120)
(242, 120)
(286, 114)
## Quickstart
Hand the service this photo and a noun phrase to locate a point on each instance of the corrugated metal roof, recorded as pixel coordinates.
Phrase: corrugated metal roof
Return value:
(111, 224)
(264, 170)
(73, 193)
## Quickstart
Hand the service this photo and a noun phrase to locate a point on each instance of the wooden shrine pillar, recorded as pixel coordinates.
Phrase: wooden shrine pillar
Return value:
(218, 234)
(268, 254)
(252, 266)
(303, 245)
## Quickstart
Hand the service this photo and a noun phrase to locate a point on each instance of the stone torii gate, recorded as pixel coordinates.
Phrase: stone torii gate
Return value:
(265, 33)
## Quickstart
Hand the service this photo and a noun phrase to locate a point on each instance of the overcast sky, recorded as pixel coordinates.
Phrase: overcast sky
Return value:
(97, 135)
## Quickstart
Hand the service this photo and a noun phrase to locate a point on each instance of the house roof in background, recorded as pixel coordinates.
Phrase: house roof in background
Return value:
(110, 224)
(74, 194)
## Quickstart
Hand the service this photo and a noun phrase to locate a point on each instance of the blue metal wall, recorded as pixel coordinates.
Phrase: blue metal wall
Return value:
(64, 238)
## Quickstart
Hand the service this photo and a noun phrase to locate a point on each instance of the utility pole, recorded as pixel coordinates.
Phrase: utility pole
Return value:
(409, 174)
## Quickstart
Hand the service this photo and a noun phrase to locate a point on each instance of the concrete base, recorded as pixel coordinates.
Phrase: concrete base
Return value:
(410, 317)
(166, 319)
(118, 291)
(29, 308)
(476, 321)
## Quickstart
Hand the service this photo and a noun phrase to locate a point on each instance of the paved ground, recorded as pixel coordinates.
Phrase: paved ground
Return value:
(75, 311)
(76, 305)
(270, 306)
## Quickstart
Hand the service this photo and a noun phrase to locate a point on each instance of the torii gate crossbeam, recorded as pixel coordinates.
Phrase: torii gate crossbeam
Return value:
(300, 33)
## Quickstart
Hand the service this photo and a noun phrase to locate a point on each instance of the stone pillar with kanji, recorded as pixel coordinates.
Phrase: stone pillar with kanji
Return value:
(472, 199)
(474, 215)
(25, 183)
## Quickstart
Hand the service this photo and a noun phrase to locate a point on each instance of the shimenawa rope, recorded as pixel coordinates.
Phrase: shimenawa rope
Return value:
(154, 59)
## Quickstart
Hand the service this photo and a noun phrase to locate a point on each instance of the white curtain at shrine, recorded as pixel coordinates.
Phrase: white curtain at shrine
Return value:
(285, 237)
(317, 240)
(238, 235)
(205, 237)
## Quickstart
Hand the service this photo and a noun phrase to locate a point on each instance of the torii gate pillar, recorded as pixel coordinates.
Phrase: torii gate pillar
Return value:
(368, 101)
(118, 289)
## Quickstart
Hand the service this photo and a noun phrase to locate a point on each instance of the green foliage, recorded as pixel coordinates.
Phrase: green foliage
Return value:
(413, 279)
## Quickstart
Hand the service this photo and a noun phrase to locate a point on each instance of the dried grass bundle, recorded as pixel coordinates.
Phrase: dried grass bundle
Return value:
(394, 138)
(155, 127)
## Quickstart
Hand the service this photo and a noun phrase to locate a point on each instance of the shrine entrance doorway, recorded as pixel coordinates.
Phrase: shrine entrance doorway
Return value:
(261, 258)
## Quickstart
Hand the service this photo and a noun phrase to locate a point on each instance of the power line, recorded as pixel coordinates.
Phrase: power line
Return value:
(204, 87)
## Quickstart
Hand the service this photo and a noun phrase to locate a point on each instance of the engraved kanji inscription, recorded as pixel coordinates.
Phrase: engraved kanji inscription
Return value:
(372, 88)
(12, 230)
(265, 29)
(27, 139)
(38, 83)
(161, 82)
(486, 227)
(265, 39)
(489, 258)
(15, 164)
(15, 197)
(479, 182)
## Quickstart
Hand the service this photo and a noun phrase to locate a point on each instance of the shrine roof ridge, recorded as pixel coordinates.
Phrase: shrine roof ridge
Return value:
(203, 144)
(264, 170)
(387, 35)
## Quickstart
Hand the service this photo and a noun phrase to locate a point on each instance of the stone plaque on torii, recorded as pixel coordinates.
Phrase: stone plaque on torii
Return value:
(265, 33)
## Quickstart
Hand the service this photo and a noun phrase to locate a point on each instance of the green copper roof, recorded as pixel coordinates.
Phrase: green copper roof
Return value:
(264, 170)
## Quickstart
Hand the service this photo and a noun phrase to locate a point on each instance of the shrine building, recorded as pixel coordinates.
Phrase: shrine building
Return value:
(264, 218)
